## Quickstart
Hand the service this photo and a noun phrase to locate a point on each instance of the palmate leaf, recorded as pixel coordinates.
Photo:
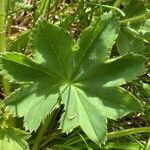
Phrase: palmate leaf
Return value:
(87, 81)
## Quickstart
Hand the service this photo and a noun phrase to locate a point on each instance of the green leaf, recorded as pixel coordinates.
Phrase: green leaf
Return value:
(20, 44)
(123, 146)
(114, 102)
(29, 100)
(144, 30)
(90, 93)
(40, 8)
(84, 111)
(24, 6)
(128, 41)
(26, 70)
(115, 72)
(11, 139)
(94, 42)
(53, 47)
(138, 9)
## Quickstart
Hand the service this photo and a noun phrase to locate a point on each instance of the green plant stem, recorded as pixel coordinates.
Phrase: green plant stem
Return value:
(49, 121)
(117, 3)
(111, 135)
(11, 6)
(136, 18)
(6, 87)
(113, 8)
(47, 9)
(2, 27)
(7, 5)
(34, 10)
(126, 132)
(147, 147)
(3, 46)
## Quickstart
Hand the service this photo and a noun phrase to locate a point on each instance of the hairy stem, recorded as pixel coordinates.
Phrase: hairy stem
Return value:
(3, 46)
(2, 26)
(10, 8)
(47, 9)
(50, 121)
(136, 18)
(34, 10)
(117, 3)
(116, 134)
(126, 132)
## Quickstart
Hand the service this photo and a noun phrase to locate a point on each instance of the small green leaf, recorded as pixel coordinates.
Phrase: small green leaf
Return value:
(20, 44)
(54, 48)
(84, 111)
(32, 102)
(114, 102)
(11, 139)
(129, 42)
(24, 69)
(115, 72)
(96, 41)
(24, 6)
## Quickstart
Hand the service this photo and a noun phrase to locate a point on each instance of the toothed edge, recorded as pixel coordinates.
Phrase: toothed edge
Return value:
(42, 122)
(3, 71)
(24, 115)
(36, 65)
(104, 17)
(19, 54)
(38, 25)
(48, 113)
(105, 136)
(63, 117)
(61, 121)
(12, 96)
(78, 125)
(140, 72)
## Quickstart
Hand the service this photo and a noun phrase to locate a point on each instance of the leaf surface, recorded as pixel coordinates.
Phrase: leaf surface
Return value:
(145, 30)
(86, 81)
(128, 41)
(96, 41)
(83, 110)
(32, 102)
(18, 67)
(114, 102)
(21, 43)
(10, 139)
(53, 47)
(115, 72)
